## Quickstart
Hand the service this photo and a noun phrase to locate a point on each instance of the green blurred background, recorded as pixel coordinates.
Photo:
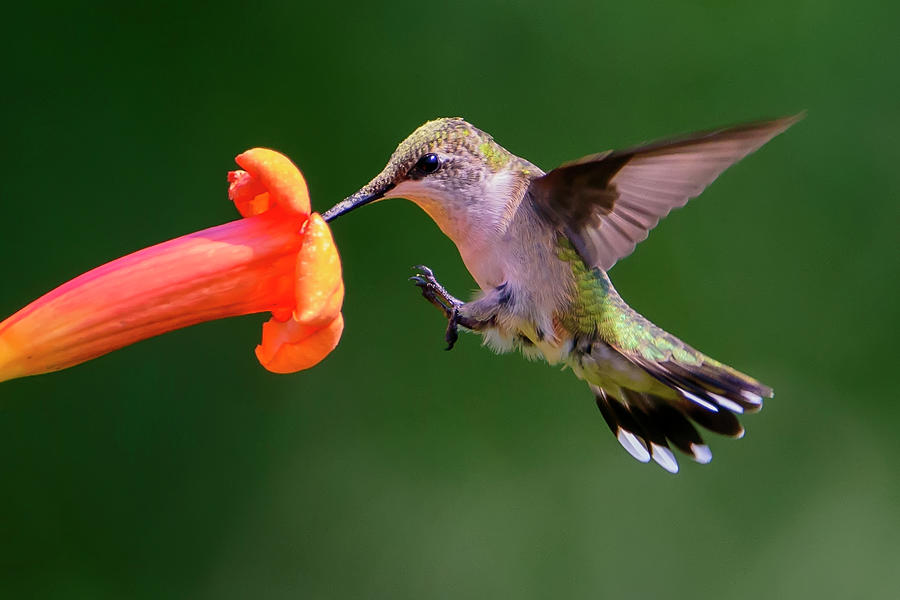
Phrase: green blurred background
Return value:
(180, 468)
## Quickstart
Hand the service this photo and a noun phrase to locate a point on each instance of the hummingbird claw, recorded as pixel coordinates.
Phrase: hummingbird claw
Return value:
(452, 333)
(435, 293)
(424, 271)
(431, 289)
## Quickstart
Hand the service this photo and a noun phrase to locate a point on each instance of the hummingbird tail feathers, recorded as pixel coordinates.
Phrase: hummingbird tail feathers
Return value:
(709, 384)
(646, 424)
(709, 394)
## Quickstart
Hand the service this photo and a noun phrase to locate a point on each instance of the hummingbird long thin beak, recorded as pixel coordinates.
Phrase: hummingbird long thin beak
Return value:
(364, 196)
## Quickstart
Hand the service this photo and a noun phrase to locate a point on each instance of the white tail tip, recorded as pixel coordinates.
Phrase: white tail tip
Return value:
(633, 445)
(664, 458)
(702, 453)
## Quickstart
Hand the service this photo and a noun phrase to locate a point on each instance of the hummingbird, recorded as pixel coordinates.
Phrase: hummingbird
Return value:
(540, 245)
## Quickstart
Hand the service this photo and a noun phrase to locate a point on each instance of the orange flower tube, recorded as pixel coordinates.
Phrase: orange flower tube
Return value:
(277, 259)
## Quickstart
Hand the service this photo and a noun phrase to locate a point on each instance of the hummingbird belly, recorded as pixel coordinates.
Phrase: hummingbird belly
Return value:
(593, 361)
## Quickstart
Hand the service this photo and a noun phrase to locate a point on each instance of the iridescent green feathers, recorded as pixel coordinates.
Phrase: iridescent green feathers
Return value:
(597, 309)
(453, 138)
(702, 389)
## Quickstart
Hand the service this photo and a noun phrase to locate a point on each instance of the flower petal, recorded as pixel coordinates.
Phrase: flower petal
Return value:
(316, 324)
(248, 194)
(290, 346)
(279, 176)
(320, 288)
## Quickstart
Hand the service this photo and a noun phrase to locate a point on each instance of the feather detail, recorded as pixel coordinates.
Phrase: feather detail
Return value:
(607, 203)
(645, 425)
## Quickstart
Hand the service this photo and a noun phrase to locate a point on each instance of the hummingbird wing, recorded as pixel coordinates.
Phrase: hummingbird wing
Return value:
(606, 203)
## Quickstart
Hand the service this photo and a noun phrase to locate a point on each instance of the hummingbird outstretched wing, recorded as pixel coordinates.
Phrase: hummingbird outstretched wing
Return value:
(606, 203)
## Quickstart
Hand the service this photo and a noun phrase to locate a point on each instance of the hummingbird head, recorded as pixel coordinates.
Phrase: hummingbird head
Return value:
(455, 172)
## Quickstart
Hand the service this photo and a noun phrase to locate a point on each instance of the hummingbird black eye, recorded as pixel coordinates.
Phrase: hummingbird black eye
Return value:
(429, 163)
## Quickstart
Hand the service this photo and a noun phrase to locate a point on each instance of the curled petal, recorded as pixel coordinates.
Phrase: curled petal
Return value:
(291, 346)
(279, 176)
(248, 194)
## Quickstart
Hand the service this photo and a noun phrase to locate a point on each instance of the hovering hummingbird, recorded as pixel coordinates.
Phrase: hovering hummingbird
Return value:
(539, 245)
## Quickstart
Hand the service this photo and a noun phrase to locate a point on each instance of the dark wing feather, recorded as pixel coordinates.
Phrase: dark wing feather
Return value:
(606, 203)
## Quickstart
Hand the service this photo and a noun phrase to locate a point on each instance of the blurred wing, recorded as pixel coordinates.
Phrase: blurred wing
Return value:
(606, 203)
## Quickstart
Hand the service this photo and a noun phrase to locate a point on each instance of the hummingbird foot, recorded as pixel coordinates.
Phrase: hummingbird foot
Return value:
(452, 333)
(434, 292)
(438, 295)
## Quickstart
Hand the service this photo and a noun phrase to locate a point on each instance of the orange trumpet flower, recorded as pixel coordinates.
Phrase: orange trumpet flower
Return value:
(279, 258)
